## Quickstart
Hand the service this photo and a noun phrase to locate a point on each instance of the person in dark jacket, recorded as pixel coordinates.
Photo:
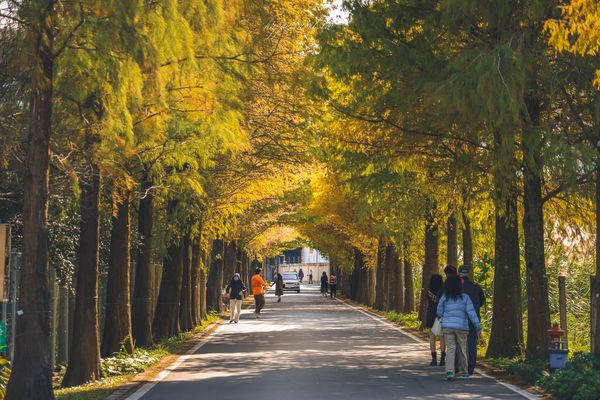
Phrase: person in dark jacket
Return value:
(278, 282)
(236, 290)
(332, 284)
(477, 296)
(324, 283)
(456, 310)
(301, 275)
(436, 285)
(450, 270)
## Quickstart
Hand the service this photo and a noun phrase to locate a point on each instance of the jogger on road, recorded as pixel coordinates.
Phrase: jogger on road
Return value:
(258, 290)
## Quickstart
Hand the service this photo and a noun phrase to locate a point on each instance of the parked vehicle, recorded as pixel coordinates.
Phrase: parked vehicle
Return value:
(291, 282)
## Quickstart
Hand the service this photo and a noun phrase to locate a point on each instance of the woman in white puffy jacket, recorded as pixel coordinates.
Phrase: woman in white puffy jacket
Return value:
(455, 310)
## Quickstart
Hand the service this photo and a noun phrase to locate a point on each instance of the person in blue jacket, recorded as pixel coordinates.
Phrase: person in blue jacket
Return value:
(456, 310)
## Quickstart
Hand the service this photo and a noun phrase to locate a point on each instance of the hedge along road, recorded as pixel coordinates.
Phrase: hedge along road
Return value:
(310, 347)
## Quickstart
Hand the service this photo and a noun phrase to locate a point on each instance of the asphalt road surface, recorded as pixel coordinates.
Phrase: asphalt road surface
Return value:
(310, 347)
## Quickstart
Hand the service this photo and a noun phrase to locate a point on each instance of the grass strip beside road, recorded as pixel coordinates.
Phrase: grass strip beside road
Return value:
(126, 369)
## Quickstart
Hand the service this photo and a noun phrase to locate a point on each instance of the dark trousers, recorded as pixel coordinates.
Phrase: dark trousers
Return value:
(472, 348)
(259, 302)
(332, 290)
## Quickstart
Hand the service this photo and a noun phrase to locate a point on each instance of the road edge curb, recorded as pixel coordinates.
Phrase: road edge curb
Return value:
(521, 392)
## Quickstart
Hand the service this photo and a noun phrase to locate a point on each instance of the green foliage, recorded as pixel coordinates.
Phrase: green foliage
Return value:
(577, 381)
(530, 371)
(410, 320)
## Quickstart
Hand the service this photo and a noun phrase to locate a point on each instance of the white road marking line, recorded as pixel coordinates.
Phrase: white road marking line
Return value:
(138, 394)
(383, 321)
(513, 388)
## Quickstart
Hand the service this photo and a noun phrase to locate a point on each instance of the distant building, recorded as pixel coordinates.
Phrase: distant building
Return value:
(293, 256)
(308, 259)
(313, 256)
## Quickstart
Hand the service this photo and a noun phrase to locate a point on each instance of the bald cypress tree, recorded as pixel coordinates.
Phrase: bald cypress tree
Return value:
(31, 375)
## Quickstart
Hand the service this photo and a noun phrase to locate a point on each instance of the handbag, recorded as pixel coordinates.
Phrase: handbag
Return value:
(436, 329)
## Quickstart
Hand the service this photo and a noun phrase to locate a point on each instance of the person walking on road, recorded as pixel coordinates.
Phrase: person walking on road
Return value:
(324, 282)
(456, 310)
(310, 277)
(236, 291)
(332, 285)
(477, 296)
(435, 291)
(450, 270)
(258, 290)
(300, 275)
(278, 282)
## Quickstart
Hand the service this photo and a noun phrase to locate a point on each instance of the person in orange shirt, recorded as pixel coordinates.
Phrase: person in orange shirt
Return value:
(258, 286)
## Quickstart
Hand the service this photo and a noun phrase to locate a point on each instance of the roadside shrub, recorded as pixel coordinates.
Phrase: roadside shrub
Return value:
(4, 375)
(123, 363)
(577, 381)
(529, 371)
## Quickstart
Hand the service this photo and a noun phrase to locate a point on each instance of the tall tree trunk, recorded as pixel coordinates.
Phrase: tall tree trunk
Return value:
(355, 277)
(467, 242)
(117, 323)
(595, 289)
(166, 318)
(229, 261)
(409, 282)
(31, 376)
(364, 284)
(347, 282)
(380, 291)
(84, 357)
(203, 279)
(432, 260)
(214, 286)
(245, 269)
(506, 339)
(372, 279)
(143, 306)
(64, 333)
(452, 236)
(396, 288)
(195, 272)
(390, 277)
(239, 255)
(538, 309)
(185, 309)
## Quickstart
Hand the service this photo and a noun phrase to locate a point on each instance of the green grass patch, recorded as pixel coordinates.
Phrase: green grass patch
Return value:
(94, 390)
(410, 320)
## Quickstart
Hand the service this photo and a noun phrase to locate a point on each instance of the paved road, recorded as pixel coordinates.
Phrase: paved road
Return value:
(309, 347)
